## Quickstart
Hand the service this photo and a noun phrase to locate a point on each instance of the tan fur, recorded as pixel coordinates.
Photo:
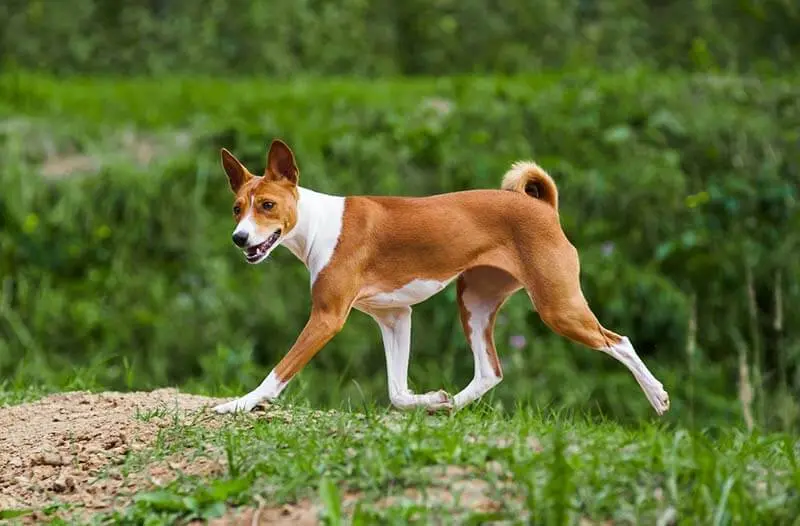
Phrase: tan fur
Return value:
(278, 185)
(495, 241)
(492, 286)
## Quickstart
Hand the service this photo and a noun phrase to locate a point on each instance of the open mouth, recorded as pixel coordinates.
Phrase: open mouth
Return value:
(256, 253)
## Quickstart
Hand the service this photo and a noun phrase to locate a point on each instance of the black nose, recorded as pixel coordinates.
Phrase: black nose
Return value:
(240, 238)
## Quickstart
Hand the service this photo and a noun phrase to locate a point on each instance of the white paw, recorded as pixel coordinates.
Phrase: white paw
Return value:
(658, 398)
(433, 401)
(438, 401)
(243, 404)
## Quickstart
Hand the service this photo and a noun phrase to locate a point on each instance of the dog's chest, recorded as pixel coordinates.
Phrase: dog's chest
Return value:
(413, 292)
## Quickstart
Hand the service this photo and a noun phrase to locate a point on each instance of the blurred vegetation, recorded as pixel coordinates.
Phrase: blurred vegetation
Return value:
(680, 192)
(285, 38)
(672, 129)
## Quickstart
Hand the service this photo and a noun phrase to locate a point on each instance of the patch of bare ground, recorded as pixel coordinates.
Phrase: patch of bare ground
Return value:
(72, 450)
(138, 148)
(455, 490)
(303, 513)
(459, 488)
(68, 448)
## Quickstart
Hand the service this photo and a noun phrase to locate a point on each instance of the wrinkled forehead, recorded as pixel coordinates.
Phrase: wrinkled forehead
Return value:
(261, 188)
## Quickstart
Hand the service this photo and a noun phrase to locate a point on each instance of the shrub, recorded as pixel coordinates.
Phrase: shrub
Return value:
(286, 38)
(680, 193)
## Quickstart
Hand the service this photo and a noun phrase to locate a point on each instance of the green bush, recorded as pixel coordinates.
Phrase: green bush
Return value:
(680, 193)
(284, 38)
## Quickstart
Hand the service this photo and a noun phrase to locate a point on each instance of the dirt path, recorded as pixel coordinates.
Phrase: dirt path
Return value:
(65, 448)
(70, 448)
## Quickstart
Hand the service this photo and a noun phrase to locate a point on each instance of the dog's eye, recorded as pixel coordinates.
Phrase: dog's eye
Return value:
(237, 209)
(267, 205)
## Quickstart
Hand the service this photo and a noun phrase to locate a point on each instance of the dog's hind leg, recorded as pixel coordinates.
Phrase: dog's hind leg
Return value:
(395, 325)
(481, 293)
(554, 287)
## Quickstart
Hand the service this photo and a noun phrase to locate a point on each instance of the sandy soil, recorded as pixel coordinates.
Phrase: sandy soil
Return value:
(68, 447)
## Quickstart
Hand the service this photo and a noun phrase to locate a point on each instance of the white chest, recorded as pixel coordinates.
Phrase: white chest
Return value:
(319, 224)
(413, 292)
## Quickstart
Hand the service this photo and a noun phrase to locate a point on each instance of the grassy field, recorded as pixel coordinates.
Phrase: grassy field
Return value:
(111, 279)
(173, 461)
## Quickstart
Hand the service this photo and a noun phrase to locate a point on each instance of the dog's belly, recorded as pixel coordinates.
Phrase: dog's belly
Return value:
(413, 292)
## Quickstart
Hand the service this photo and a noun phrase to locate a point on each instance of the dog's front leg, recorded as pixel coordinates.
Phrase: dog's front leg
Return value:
(322, 325)
(395, 325)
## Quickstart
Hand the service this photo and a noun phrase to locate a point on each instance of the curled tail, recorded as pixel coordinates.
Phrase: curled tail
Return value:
(527, 177)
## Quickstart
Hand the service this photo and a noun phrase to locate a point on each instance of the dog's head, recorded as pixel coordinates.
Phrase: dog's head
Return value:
(265, 207)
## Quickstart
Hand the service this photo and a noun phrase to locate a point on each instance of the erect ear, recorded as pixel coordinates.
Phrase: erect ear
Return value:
(280, 163)
(237, 173)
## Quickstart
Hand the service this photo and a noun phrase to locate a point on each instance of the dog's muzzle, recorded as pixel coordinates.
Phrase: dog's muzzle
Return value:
(256, 253)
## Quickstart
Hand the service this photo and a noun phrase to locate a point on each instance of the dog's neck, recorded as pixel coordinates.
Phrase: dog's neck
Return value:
(319, 223)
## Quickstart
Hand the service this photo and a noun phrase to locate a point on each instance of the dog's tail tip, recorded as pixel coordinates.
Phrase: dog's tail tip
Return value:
(529, 178)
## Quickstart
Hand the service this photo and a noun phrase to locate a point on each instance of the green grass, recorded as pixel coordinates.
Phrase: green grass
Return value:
(80, 291)
(537, 469)
(172, 101)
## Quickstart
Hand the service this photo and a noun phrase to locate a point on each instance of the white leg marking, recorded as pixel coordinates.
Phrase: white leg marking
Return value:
(480, 313)
(269, 389)
(395, 325)
(653, 389)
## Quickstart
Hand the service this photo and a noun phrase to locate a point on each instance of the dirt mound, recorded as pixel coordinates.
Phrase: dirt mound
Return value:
(71, 449)
(64, 448)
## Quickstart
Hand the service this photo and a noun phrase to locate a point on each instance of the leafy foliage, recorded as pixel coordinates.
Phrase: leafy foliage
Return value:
(382, 37)
(679, 191)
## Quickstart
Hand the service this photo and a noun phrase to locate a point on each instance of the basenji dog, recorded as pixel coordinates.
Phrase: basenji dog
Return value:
(382, 255)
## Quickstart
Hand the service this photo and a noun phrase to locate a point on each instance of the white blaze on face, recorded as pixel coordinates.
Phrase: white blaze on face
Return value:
(260, 240)
(247, 225)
